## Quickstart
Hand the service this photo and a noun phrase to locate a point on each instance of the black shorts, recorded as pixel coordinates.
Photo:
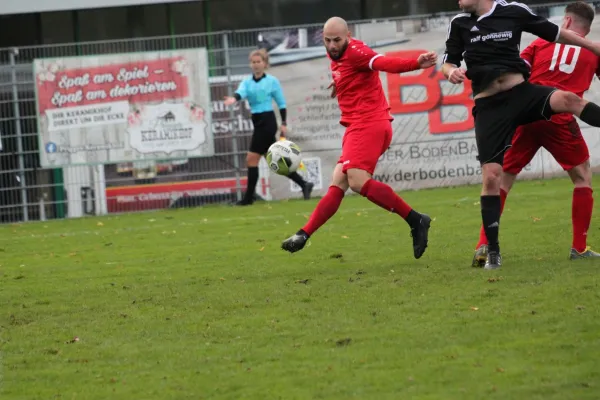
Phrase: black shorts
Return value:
(265, 130)
(498, 116)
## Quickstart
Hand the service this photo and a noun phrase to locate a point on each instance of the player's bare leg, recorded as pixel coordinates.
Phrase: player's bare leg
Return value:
(252, 160)
(481, 250)
(567, 102)
(379, 193)
(490, 211)
(583, 203)
(326, 208)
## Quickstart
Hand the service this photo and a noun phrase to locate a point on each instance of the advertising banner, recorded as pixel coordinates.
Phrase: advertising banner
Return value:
(434, 139)
(156, 184)
(433, 143)
(123, 107)
(168, 195)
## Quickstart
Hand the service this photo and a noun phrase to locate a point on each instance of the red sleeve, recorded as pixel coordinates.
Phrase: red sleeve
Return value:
(361, 56)
(364, 58)
(598, 68)
(394, 65)
(529, 53)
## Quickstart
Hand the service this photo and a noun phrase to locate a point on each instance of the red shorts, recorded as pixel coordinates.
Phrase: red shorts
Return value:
(564, 142)
(364, 143)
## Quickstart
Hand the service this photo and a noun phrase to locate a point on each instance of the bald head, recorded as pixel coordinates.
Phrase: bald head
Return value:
(336, 24)
(335, 37)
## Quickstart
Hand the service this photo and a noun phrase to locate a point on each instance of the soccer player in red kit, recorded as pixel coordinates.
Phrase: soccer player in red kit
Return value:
(567, 68)
(366, 116)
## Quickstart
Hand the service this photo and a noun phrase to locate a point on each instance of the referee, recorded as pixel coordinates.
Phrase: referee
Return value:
(487, 35)
(260, 90)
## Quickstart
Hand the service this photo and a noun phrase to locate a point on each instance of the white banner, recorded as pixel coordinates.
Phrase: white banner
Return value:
(123, 107)
(87, 116)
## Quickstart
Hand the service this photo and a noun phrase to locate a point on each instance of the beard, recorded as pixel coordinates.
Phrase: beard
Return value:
(340, 53)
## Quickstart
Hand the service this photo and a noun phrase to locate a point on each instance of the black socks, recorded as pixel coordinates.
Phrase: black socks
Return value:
(490, 214)
(591, 114)
(252, 181)
(413, 218)
(294, 176)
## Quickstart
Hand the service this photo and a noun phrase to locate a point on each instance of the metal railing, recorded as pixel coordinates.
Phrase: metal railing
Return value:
(29, 192)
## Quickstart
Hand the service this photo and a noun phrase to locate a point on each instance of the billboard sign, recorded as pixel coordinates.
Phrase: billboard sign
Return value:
(123, 107)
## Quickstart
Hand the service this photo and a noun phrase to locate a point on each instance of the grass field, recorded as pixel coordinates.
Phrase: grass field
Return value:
(203, 304)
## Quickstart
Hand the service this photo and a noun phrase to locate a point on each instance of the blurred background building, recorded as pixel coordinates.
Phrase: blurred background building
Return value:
(38, 22)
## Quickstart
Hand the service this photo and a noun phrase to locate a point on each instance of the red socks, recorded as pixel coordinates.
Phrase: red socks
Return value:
(377, 192)
(482, 238)
(385, 197)
(327, 206)
(581, 215)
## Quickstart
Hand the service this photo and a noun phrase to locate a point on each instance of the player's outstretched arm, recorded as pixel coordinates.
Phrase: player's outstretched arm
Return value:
(453, 73)
(568, 37)
(363, 58)
(394, 65)
(549, 31)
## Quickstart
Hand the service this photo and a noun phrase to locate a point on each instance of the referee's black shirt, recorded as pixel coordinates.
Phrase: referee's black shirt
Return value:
(490, 43)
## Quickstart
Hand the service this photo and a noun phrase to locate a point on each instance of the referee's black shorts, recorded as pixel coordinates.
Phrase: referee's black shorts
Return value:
(265, 130)
(498, 116)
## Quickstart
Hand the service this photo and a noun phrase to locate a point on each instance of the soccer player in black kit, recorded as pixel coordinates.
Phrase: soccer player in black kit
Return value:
(487, 36)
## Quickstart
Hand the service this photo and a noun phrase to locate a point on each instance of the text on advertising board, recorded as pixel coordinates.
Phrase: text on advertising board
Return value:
(434, 100)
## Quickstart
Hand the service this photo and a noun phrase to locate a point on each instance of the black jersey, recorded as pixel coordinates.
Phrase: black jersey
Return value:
(490, 43)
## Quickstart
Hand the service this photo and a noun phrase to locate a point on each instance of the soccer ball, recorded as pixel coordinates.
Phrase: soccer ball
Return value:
(284, 157)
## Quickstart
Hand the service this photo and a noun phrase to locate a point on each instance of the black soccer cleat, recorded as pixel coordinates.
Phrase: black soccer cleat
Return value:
(307, 190)
(494, 260)
(420, 235)
(243, 203)
(295, 243)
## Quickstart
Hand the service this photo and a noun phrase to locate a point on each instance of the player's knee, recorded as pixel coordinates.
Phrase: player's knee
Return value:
(252, 159)
(357, 179)
(356, 184)
(581, 175)
(574, 103)
(508, 179)
(339, 178)
(492, 177)
(568, 102)
(340, 182)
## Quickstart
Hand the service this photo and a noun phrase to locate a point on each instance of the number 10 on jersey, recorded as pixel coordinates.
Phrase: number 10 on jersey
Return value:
(563, 66)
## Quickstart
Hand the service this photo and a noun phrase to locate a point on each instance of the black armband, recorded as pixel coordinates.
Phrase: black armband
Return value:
(237, 96)
(283, 113)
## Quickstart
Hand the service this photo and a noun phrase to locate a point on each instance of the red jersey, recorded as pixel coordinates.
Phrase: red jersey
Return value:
(359, 91)
(564, 67)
